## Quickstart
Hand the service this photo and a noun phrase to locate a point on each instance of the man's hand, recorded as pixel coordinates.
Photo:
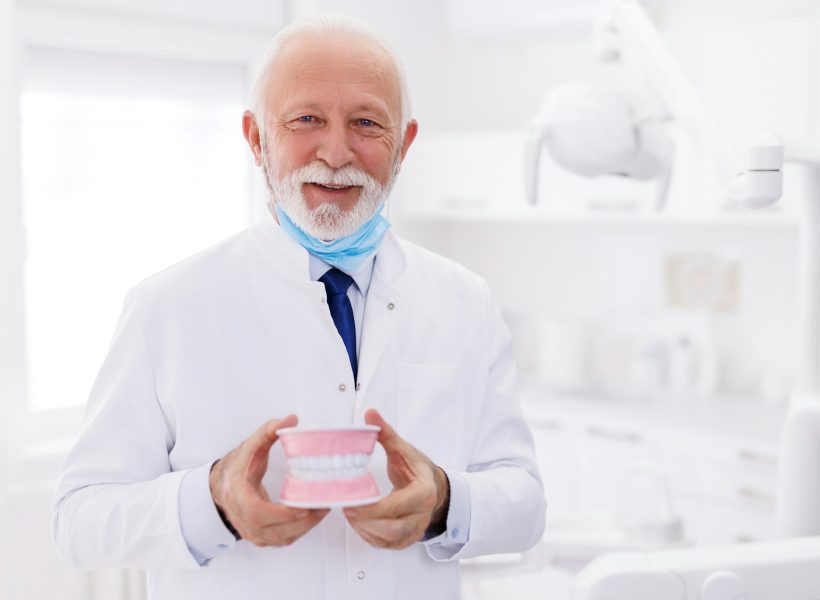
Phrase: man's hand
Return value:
(420, 496)
(237, 491)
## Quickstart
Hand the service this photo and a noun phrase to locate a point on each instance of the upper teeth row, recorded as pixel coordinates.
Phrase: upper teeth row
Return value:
(328, 462)
(333, 187)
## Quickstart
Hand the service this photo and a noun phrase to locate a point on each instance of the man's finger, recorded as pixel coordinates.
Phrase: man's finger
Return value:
(390, 533)
(265, 513)
(266, 435)
(388, 437)
(298, 526)
(284, 534)
(396, 504)
(255, 449)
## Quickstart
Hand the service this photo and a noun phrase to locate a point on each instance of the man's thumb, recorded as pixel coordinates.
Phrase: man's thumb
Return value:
(388, 437)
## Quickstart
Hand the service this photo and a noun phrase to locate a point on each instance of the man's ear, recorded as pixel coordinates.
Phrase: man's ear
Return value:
(409, 135)
(250, 129)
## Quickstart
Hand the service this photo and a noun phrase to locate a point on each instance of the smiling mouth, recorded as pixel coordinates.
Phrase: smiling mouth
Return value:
(333, 188)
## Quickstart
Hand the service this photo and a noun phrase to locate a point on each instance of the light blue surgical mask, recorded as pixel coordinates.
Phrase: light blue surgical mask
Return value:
(347, 253)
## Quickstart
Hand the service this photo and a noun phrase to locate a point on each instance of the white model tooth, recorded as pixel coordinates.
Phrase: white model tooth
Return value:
(338, 461)
(347, 461)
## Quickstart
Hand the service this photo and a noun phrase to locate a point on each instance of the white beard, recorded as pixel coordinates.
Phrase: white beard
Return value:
(328, 221)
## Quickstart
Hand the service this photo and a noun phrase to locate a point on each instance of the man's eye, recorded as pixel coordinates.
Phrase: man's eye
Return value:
(366, 122)
(306, 119)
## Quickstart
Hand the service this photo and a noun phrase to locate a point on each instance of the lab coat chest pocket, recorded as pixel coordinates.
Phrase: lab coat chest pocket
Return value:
(429, 410)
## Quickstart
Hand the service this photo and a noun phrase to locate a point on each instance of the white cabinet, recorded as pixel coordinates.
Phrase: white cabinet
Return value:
(607, 452)
(727, 481)
(721, 479)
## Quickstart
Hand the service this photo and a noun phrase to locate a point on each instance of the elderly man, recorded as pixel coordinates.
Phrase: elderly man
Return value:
(317, 315)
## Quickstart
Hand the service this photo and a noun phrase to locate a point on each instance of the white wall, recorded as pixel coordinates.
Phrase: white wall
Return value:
(32, 445)
(11, 248)
(756, 66)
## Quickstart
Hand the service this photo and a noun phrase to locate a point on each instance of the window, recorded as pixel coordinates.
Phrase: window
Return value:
(128, 165)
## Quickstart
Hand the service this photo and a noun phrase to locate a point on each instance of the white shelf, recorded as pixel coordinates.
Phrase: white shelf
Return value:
(525, 215)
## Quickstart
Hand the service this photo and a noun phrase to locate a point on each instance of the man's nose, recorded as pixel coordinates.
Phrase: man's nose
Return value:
(334, 148)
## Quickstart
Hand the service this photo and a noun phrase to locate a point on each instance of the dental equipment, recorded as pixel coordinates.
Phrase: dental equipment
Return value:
(592, 132)
(784, 569)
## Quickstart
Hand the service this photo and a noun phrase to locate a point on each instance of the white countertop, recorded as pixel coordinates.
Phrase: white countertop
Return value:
(740, 415)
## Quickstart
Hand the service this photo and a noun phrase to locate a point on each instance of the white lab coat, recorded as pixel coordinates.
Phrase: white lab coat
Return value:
(209, 349)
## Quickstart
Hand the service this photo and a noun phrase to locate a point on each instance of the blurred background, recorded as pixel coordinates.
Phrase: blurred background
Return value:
(656, 350)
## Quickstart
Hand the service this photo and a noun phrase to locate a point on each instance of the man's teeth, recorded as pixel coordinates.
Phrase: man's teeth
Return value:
(329, 467)
(332, 187)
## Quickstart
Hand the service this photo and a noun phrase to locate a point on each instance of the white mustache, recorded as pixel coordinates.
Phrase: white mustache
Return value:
(319, 173)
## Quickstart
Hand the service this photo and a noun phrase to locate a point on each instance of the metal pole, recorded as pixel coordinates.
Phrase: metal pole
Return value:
(809, 376)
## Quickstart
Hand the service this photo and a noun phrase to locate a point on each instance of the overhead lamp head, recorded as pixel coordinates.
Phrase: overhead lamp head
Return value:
(591, 131)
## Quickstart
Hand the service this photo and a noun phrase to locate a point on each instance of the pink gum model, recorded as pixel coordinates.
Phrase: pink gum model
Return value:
(331, 483)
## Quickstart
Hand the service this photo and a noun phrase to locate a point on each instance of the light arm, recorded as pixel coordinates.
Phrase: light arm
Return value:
(650, 56)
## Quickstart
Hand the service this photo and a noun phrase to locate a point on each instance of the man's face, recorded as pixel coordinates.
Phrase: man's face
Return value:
(333, 104)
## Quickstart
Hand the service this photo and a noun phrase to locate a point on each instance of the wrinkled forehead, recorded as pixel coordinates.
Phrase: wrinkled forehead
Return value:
(310, 62)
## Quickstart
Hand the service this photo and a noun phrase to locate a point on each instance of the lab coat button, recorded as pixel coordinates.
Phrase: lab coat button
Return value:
(360, 575)
(342, 387)
(455, 532)
(223, 546)
(391, 306)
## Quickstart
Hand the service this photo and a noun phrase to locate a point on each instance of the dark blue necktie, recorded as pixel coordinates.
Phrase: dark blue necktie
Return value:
(336, 284)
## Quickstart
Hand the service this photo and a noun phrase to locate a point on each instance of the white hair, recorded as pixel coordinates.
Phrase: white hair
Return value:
(323, 25)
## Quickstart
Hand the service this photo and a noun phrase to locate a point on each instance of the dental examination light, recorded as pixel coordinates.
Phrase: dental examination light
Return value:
(593, 132)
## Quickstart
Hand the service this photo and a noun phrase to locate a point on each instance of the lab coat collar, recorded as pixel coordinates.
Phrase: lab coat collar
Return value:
(293, 261)
(361, 278)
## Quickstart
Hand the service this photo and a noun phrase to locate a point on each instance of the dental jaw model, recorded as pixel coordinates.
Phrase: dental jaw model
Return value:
(328, 467)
